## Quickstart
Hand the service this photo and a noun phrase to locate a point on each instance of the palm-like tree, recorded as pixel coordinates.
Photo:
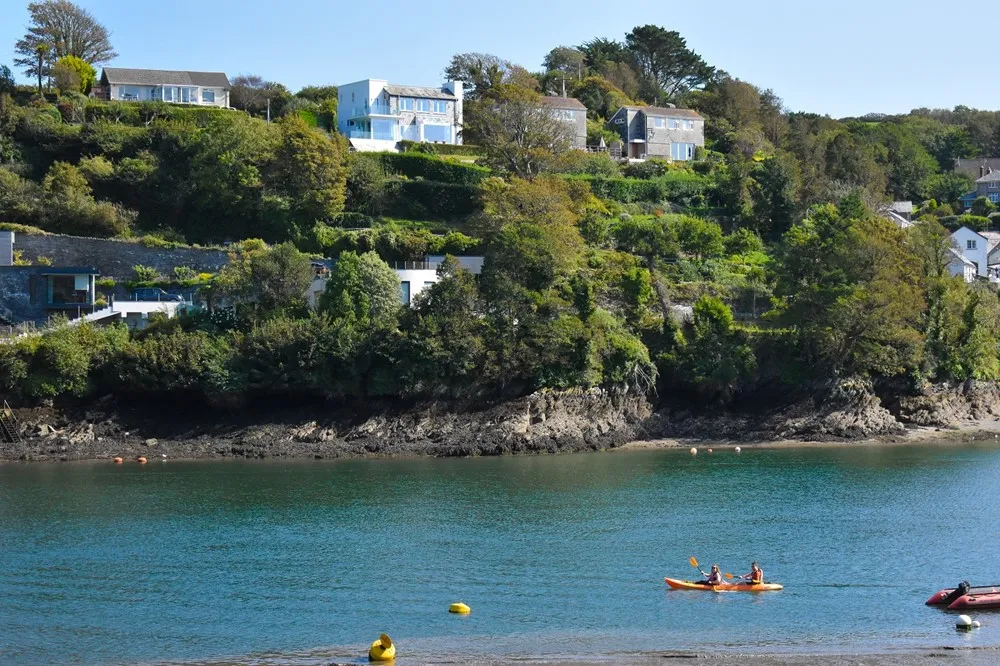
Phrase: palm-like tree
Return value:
(42, 50)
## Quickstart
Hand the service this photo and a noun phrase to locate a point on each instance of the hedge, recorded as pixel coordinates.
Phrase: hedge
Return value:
(428, 167)
(430, 200)
(139, 113)
(444, 148)
(681, 187)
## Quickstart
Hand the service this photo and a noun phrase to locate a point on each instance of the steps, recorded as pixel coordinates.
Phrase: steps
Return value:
(10, 431)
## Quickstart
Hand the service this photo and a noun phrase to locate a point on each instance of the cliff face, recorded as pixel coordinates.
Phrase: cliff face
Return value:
(544, 422)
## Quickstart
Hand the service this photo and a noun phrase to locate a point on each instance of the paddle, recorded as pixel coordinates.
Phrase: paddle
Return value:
(694, 563)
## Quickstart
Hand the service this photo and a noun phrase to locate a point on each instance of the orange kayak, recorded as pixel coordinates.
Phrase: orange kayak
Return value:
(676, 584)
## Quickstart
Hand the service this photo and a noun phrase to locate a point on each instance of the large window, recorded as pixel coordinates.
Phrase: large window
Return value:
(424, 105)
(682, 151)
(129, 92)
(404, 292)
(69, 290)
(208, 96)
(406, 104)
(672, 123)
(437, 133)
(168, 94)
(440, 106)
(659, 123)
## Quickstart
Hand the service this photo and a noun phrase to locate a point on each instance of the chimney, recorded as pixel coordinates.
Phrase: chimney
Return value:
(6, 248)
(982, 170)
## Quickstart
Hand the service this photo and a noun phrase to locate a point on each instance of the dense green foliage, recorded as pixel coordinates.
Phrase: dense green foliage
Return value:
(763, 264)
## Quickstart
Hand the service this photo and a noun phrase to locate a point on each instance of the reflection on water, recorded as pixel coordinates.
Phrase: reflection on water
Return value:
(305, 563)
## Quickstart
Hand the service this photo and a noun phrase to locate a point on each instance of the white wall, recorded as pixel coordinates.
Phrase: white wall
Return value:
(977, 255)
(418, 279)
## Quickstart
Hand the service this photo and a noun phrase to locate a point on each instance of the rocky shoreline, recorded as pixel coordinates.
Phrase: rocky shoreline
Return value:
(544, 422)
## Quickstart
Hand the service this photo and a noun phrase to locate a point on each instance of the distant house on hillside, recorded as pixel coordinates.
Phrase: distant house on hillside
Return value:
(899, 213)
(160, 85)
(982, 248)
(376, 115)
(573, 112)
(976, 167)
(987, 185)
(652, 131)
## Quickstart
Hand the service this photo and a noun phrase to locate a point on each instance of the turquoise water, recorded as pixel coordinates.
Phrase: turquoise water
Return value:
(306, 562)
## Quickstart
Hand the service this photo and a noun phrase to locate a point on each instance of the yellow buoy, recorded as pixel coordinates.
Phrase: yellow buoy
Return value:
(382, 649)
(459, 608)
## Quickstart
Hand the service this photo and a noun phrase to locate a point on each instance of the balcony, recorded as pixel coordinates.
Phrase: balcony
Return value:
(373, 134)
(376, 109)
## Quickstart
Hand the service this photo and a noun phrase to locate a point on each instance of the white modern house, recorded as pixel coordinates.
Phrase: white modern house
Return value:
(377, 115)
(982, 248)
(414, 277)
(160, 85)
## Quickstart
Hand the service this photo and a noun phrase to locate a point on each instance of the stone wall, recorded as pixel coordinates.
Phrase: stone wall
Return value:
(115, 258)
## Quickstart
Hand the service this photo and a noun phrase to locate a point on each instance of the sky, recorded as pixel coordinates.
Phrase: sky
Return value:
(841, 59)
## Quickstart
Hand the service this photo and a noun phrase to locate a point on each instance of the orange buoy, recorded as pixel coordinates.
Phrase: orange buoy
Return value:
(119, 460)
(141, 460)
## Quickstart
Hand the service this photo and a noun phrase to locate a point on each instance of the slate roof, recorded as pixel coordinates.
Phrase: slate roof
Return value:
(164, 77)
(990, 177)
(564, 103)
(901, 206)
(992, 238)
(669, 113)
(418, 91)
(960, 257)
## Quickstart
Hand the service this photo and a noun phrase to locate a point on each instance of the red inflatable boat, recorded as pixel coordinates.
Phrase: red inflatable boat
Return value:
(941, 598)
(976, 602)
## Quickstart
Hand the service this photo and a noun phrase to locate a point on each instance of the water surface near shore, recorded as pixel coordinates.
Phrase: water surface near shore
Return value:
(560, 557)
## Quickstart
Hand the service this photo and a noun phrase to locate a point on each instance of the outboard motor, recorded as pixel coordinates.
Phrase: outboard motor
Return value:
(962, 590)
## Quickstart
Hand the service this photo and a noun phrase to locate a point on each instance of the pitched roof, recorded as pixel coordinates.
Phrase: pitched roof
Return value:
(563, 103)
(670, 113)
(901, 206)
(960, 257)
(418, 91)
(165, 77)
(992, 238)
(990, 177)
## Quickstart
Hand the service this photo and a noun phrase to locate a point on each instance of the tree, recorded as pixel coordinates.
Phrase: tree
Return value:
(7, 83)
(258, 97)
(74, 74)
(279, 277)
(663, 57)
(947, 187)
(518, 134)
(699, 238)
(597, 52)
(363, 289)
(982, 207)
(775, 194)
(318, 93)
(566, 62)
(68, 30)
(309, 170)
(41, 53)
(480, 72)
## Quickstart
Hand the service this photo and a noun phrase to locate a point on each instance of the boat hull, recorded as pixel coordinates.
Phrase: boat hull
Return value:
(677, 584)
(976, 602)
(940, 598)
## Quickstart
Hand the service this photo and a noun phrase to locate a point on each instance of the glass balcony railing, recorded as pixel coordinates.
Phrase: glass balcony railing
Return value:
(373, 110)
(378, 135)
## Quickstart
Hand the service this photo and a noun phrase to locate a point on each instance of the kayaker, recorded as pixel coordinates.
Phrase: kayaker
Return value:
(713, 578)
(756, 575)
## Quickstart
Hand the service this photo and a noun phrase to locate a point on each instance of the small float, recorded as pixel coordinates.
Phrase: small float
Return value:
(676, 584)
(382, 649)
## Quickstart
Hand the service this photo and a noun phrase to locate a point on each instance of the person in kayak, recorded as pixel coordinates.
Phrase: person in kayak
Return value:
(713, 578)
(756, 575)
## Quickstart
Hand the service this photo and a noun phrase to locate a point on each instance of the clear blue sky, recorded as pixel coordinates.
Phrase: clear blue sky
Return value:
(845, 58)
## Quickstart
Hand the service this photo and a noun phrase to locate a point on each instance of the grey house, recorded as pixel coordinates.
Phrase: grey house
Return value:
(652, 131)
(573, 112)
(987, 185)
(160, 85)
(976, 167)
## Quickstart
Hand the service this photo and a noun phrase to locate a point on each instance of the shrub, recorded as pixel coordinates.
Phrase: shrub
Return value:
(145, 273)
(444, 148)
(429, 200)
(428, 167)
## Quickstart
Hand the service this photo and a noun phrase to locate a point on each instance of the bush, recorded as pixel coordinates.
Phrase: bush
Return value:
(430, 200)
(443, 148)
(145, 273)
(428, 167)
